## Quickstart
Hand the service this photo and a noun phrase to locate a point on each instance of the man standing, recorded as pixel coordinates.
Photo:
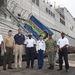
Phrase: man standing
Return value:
(19, 42)
(9, 45)
(1, 42)
(63, 51)
(51, 48)
(40, 48)
(30, 46)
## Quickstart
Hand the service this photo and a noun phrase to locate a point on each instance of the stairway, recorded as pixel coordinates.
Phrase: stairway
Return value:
(8, 11)
(21, 17)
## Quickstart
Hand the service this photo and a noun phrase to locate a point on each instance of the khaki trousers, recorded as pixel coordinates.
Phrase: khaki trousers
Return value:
(18, 52)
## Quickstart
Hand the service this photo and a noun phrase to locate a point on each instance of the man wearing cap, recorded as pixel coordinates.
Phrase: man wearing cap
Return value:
(51, 48)
(63, 43)
(9, 45)
(19, 42)
(30, 46)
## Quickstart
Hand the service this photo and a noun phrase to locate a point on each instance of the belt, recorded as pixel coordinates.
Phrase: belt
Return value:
(29, 47)
(40, 49)
(9, 47)
(19, 44)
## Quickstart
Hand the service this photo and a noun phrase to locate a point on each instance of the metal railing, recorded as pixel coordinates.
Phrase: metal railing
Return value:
(14, 8)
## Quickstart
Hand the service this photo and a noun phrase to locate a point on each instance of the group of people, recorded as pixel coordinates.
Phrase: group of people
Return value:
(15, 44)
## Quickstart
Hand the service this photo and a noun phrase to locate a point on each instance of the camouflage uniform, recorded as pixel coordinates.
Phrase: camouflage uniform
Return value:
(51, 47)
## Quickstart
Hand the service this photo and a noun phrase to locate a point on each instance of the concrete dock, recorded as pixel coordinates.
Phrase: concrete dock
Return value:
(43, 71)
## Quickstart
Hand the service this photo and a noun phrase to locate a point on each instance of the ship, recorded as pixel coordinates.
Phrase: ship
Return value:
(36, 17)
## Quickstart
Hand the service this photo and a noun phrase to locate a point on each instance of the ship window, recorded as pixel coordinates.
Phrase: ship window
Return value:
(62, 21)
(62, 16)
(37, 2)
(47, 10)
(53, 15)
(33, 1)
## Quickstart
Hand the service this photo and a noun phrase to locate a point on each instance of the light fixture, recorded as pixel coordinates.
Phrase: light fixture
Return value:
(50, 5)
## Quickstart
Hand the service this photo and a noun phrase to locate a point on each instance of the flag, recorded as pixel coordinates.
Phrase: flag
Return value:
(34, 26)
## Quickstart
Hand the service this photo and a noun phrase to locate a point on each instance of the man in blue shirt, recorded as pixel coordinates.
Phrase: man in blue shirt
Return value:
(19, 41)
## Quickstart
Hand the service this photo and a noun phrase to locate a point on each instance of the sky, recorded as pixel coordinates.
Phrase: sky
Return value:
(69, 4)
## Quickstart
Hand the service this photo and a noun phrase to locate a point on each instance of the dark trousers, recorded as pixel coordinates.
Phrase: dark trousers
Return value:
(8, 56)
(30, 56)
(40, 58)
(63, 53)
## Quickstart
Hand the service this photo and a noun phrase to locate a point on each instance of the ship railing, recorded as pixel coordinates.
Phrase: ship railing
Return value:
(16, 21)
(9, 12)
(15, 9)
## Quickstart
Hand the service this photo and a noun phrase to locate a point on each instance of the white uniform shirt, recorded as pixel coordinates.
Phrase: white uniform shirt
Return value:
(1, 39)
(30, 42)
(62, 42)
(40, 45)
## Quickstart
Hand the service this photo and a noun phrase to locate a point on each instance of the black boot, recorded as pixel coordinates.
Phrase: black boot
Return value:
(50, 66)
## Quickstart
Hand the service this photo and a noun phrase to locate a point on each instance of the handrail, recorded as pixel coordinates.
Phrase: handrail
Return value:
(14, 18)
(15, 6)
(9, 13)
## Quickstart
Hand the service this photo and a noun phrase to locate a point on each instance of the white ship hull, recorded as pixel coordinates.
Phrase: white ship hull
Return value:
(27, 8)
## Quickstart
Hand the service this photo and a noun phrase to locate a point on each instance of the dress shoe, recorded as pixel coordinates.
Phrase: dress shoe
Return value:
(27, 67)
(49, 67)
(67, 70)
(40, 68)
(59, 69)
(4, 68)
(52, 68)
(10, 68)
(32, 67)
